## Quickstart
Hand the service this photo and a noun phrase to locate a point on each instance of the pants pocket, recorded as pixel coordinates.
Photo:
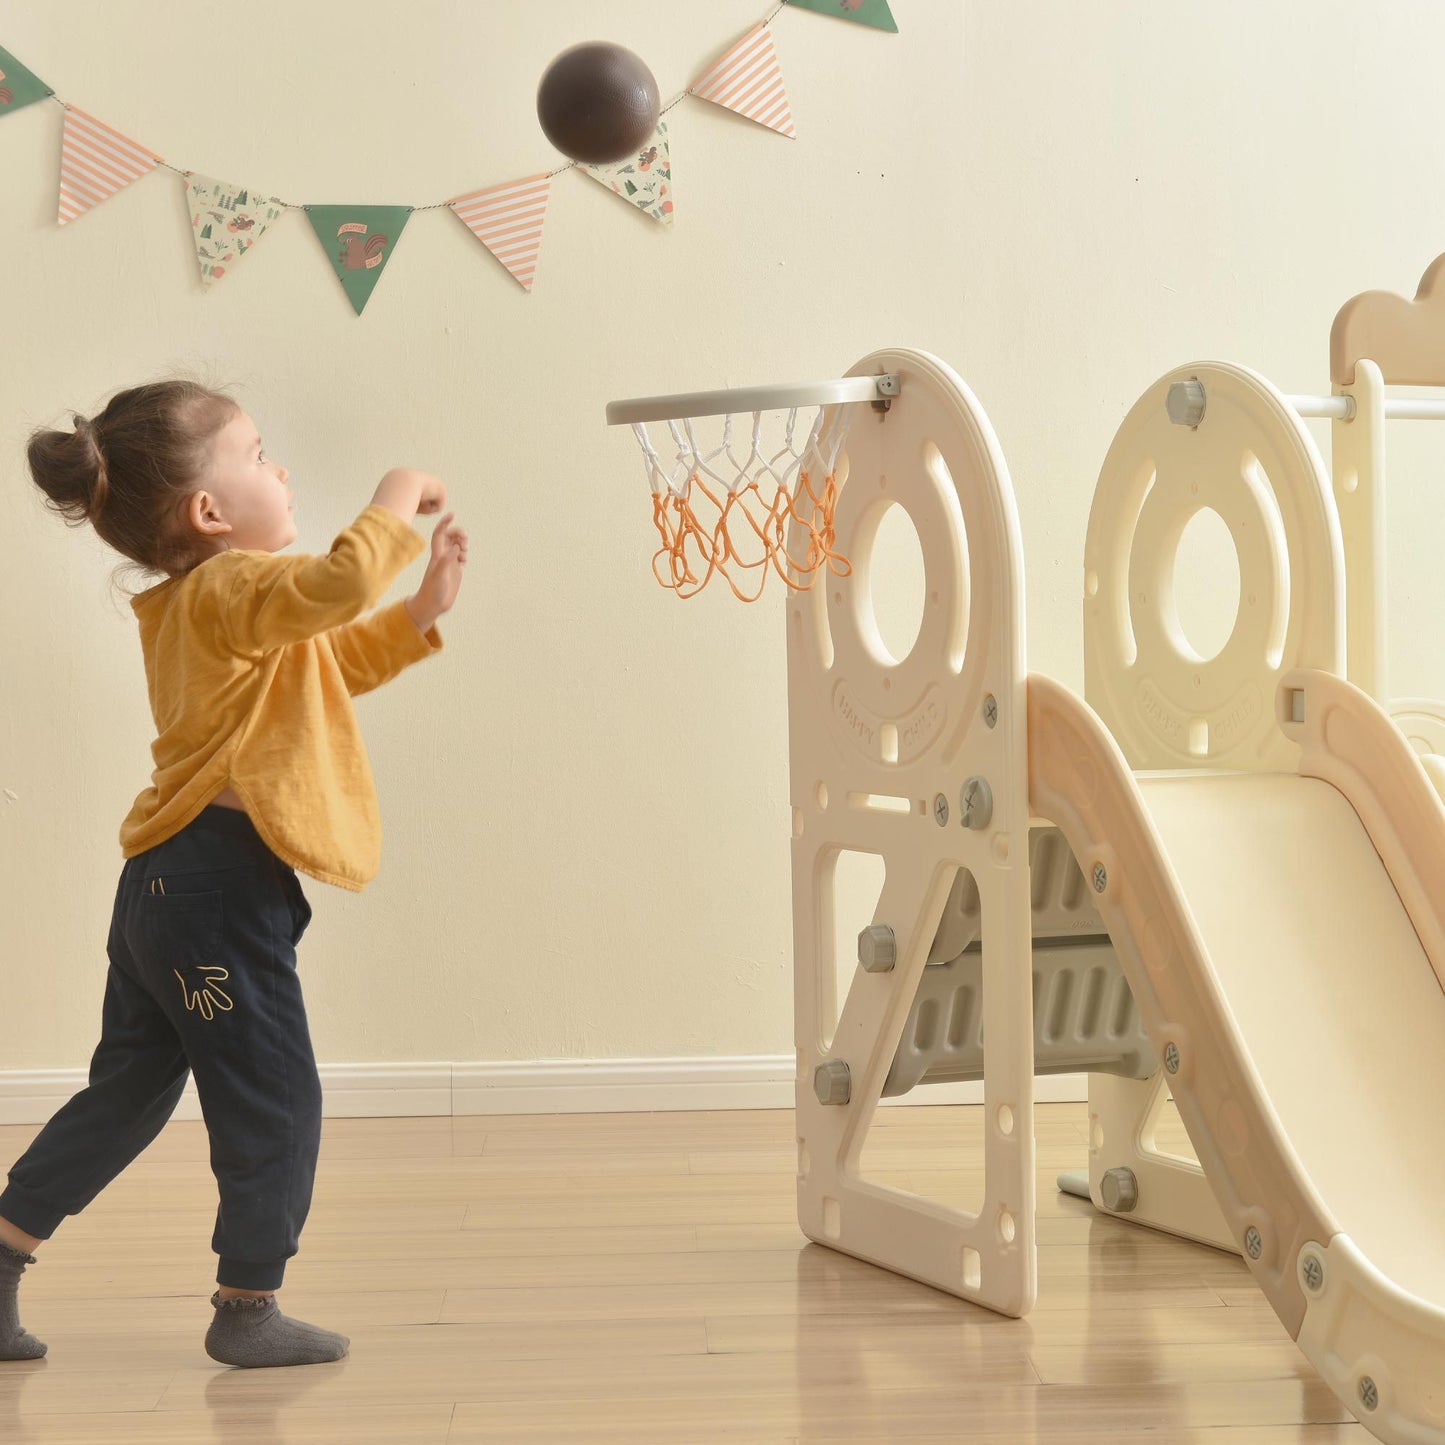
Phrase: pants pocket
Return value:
(181, 936)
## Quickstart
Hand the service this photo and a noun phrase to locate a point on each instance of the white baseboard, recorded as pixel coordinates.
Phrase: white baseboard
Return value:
(563, 1086)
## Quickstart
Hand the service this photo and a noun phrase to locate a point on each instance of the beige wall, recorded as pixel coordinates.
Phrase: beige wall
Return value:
(586, 797)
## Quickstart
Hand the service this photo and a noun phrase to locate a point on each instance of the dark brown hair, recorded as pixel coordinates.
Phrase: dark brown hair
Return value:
(129, 470)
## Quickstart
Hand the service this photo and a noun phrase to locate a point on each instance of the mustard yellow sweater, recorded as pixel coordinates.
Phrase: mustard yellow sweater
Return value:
(251, 661)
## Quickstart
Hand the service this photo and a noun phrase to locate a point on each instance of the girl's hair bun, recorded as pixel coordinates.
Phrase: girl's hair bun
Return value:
(69, 467)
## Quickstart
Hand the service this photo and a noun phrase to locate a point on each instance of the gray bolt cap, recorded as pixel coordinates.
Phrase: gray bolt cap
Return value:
(1313, 1271)
(877, 950)
(832, 1082)
(1186, 402)
(975, 801)
(1120, 1190)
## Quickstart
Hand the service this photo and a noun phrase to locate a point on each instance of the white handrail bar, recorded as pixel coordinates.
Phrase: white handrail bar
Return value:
(1399, 408)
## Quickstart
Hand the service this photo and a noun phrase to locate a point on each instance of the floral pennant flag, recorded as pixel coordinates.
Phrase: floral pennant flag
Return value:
(865, 12)
(645, 179)
(95, 162)
(226, 221)
(749, 80)
(360, 241)
(18, 86)
(507, 220)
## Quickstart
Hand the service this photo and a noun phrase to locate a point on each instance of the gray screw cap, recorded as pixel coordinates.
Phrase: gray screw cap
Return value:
(877, 949)
(1186, 402)
(975, 802)
(832, 1082)
(1313, 1273)
(1120, 1190)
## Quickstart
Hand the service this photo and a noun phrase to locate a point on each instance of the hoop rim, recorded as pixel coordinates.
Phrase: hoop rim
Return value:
(752, 398)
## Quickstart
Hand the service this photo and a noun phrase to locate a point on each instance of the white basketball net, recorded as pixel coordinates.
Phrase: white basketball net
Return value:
(720, 509)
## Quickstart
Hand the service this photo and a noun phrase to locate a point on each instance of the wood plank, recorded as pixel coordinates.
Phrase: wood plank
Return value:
(642, 1279)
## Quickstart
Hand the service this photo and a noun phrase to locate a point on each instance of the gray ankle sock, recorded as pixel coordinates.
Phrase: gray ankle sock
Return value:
(16, 1342)
(253, 1333)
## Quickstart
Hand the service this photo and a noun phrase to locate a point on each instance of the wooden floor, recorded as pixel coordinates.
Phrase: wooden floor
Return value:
(639, 1278)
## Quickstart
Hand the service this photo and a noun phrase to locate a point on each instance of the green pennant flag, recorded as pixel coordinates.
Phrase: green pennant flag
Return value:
(18, 86)
(865, 12)
(360, 241)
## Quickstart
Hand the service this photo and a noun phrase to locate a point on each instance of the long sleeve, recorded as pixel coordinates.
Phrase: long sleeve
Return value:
(273, 600)
(374, 649)
(277, 721)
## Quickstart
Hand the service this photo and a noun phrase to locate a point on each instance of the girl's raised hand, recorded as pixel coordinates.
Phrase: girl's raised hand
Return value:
(443, 579)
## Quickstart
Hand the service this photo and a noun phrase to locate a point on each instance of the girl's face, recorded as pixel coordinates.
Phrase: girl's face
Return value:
(246, 502)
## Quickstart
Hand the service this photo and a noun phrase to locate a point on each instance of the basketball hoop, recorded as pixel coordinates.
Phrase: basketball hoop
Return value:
(728, 500)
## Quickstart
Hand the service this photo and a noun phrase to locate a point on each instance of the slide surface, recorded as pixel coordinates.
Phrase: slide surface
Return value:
(1282, 933)
(1337, 1007)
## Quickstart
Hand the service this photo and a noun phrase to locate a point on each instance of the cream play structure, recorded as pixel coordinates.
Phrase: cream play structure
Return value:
(1254, 832)
(1219, 879)
(1377, 338)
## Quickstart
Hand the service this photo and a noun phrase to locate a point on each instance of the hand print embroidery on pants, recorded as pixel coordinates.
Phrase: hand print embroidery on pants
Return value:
(209, 996)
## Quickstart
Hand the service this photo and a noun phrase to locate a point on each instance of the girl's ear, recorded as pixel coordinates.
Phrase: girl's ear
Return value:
(203, 512)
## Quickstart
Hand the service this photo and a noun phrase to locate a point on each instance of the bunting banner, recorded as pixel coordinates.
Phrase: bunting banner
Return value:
(96, 162)
(507, 220)
(644, 179)
(749, 80)
(865, 12)
(18, 86)
(360, 241)
(227, 222)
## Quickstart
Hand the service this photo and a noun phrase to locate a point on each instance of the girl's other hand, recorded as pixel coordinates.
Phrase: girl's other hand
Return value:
(443, 579)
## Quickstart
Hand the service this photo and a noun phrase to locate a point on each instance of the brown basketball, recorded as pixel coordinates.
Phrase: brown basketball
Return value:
(597, 102)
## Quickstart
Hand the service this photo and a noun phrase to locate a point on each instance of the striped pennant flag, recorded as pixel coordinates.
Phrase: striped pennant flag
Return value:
(95, 162)
(507, 220)
(749, 80)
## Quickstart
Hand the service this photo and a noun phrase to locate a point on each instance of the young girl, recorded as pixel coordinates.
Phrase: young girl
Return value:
(251, 660)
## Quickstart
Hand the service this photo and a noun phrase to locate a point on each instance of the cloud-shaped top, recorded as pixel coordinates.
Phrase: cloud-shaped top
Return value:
(1405, 339)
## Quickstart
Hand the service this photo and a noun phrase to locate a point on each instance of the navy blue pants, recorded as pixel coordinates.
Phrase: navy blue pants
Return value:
(202, 979)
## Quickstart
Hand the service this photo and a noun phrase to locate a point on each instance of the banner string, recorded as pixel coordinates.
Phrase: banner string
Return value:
(443, 205)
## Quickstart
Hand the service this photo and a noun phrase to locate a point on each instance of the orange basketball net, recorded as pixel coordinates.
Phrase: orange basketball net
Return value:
(719, 512)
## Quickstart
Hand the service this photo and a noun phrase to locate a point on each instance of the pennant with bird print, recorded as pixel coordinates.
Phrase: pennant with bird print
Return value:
(359, 240)
(19, 87)
(865, 12)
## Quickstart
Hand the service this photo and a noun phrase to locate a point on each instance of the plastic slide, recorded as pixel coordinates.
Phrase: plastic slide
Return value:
(1283, 936)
